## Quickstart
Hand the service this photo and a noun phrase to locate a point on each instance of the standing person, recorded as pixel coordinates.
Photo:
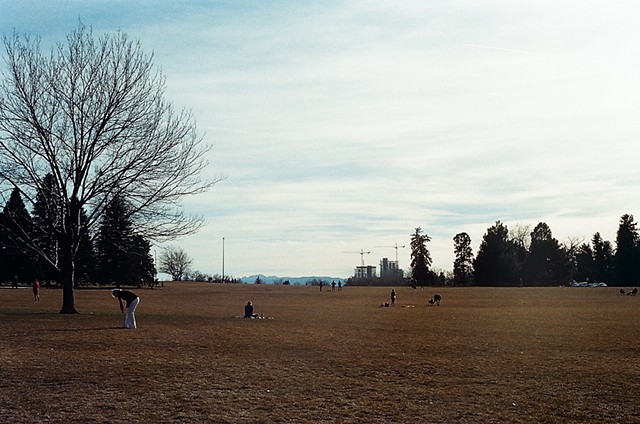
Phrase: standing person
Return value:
(393, 297)
(14, 283)
(132, 301)
(339, 285)
(36, 290)
(333, 286)
(320, 285)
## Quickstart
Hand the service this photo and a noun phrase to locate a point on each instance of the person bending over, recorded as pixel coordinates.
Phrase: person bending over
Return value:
(131, 303)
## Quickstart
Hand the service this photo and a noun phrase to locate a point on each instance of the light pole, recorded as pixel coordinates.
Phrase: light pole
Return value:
(223, 259)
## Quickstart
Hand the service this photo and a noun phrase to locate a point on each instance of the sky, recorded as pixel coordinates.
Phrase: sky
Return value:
(341, 126)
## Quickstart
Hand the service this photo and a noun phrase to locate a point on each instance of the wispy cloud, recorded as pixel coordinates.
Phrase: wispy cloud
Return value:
(500, 49)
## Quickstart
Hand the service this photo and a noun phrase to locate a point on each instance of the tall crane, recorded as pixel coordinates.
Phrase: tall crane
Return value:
(395, 247)
(362, 253)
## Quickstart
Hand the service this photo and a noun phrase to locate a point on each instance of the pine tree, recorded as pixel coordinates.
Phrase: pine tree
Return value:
(86, 256)
(627, 260)
(47, 225)
(547, 263)
(16, 227)
(420, 259)
(463, 263)
(497, 262)
(585, 267)
(123, 256)
(603, 260)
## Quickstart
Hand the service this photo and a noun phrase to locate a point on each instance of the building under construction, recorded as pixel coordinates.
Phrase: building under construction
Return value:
(365, 271)
(389, 270)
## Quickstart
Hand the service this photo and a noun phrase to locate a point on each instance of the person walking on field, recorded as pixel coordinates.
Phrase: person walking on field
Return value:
(131, 299)
(393, 297)
(36, 290)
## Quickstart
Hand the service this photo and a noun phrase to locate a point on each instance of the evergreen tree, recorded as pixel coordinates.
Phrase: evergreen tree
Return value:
(547, 263)
(47, 225)
(16, 227)
(86, 256)
(627, 260)
(420, 259)
(603, 260)
(123, 257)
(463, 263)
(584, 263)
(143, 266)
(497, 261)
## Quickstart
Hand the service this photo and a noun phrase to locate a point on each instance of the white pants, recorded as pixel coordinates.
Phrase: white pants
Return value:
(130, 317)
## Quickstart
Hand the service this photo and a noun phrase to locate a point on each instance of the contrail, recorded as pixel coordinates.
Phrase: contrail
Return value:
(502, 49)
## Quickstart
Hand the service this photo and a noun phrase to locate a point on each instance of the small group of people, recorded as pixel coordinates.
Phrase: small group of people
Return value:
(435, 300)
(333, 285)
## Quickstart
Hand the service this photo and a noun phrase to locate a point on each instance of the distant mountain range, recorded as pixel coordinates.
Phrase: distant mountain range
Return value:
(297, 281)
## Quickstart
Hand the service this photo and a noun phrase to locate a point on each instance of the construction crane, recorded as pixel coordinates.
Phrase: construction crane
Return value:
(362, 253)
(395, 247)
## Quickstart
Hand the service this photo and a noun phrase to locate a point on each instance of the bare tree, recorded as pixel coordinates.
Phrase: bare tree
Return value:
(175, 262)
(92, 113)
(520, 234)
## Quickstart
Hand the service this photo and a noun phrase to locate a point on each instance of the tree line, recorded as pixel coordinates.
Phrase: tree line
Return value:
(534, 258)
(114, 254)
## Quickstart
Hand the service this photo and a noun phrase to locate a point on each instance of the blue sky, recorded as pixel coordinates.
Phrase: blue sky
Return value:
(344, 125)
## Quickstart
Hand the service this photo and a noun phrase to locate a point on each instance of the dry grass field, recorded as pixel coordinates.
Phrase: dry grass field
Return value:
(484, 356)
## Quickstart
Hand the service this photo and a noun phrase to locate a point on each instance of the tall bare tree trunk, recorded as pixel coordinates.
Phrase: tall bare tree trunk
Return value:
(68, 259)
(67, 276)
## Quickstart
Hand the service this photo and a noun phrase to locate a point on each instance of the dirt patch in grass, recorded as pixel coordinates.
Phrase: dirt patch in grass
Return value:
(516, 355)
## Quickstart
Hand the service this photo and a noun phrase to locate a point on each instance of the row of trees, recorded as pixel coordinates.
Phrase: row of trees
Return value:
(114, 254)
(534, 258)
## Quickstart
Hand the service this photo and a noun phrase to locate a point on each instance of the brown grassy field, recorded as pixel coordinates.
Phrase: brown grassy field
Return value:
(485, 355)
